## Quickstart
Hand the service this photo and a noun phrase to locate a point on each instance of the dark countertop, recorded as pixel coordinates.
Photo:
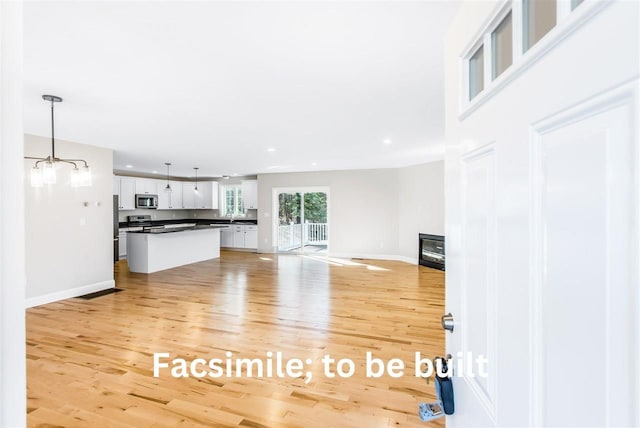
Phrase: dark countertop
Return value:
(204, 221)
(159, 230)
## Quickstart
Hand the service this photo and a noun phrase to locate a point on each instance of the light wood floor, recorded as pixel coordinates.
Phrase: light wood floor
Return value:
(90, 362)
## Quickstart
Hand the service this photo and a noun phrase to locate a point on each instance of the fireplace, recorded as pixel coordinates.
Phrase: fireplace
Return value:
(431, 251)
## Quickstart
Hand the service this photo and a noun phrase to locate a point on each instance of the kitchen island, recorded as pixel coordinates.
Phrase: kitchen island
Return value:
(154, 249)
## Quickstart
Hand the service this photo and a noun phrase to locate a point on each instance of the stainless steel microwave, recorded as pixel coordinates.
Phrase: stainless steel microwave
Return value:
(146, 201)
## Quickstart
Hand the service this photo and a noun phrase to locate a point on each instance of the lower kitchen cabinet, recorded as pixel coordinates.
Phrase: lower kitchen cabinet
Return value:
(251, 237)
(226, 237)
(238, 236)
(242, 236)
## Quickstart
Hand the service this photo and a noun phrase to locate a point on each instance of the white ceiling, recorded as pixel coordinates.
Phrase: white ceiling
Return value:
(216, 84)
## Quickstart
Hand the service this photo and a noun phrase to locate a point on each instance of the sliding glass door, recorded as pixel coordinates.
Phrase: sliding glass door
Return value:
(302, 221)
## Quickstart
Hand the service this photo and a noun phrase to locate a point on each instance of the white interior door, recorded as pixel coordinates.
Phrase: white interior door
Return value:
(543, 236)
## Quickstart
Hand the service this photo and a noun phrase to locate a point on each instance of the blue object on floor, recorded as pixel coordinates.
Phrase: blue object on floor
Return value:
(444, 391)
(430, 411)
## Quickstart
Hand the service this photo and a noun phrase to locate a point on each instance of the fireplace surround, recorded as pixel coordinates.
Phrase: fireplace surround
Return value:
(431, 251)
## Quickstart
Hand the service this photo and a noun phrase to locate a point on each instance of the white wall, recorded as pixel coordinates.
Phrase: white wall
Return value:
(421, 205)
(372, 213)
(69, 246)
(13, 390)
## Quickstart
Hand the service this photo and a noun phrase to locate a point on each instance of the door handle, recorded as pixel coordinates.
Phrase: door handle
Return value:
(447, 322)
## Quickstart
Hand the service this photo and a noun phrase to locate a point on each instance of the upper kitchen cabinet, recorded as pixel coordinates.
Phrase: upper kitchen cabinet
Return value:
(250, 194)
(210, 198)
(125, 188)
(205, 198)
(147, 186)
(169, 200)
(189, 196)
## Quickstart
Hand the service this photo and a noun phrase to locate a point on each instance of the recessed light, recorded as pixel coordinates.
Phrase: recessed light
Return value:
(154, 172)
(129, 166)
(387, 141)
(235, 174)
(271, 149)
(314, 163)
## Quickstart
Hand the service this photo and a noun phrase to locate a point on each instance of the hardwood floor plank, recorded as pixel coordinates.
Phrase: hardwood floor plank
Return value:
(90, 362)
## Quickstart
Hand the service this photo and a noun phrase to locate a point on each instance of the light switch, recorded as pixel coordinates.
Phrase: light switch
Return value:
(83, 221)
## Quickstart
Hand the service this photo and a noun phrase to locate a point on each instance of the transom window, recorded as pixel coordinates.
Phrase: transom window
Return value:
(502, 47)
(540, 17)
(476, 73)
(507, 38)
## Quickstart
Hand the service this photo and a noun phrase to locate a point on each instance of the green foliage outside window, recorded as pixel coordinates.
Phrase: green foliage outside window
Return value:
(315, 207)
(231, 202)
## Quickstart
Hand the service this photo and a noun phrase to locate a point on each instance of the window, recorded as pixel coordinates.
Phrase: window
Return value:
(502, 44)
(476, 73)
(231, 204)
(502, 47)
(539, 18)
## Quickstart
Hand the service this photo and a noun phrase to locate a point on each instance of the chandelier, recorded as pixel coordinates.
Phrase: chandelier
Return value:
(44, 171)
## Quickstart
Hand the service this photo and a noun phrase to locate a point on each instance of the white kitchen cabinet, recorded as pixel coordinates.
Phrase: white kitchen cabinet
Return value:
(250, 194)
(238, 236)
(245, 236)
(176, 195)
(146, 186)
(210, 195)
(169, 200)
(226, 237)
(189, 195)
(125, 188)
(205, 198)
(251, 237)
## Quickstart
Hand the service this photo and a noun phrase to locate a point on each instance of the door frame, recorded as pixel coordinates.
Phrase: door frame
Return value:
(275, 204)
(13, 374)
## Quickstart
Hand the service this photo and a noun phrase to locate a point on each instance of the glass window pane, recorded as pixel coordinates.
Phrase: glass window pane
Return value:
(476, 73)
(502, 47)
(575, 3)
(539, 18)
(239, 201)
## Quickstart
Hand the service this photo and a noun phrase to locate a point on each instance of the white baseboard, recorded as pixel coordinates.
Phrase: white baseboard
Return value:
(410, 260)
(67, 294)
(393, 257)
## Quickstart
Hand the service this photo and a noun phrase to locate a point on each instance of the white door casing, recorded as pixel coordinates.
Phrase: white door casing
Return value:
(543, 191)
(13, 390)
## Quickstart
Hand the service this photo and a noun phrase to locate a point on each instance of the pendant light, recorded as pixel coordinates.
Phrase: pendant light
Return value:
(47, 174)
(168, 186)
(195, 189)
